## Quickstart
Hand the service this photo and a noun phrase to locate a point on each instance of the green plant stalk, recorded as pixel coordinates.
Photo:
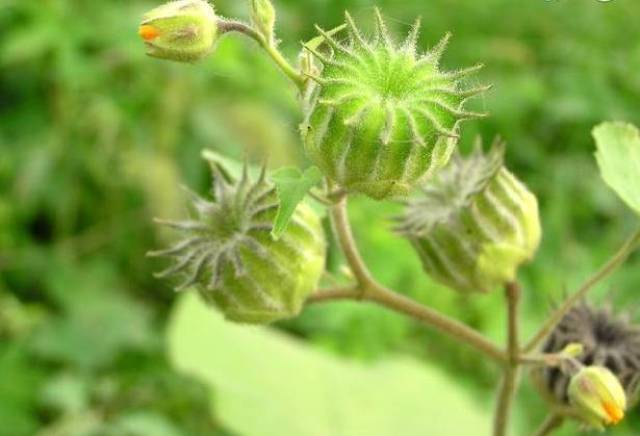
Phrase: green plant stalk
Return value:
(342, 228)
(368, 289)
(296, 77)
(551, 423)
(618, 259)
(511, 372)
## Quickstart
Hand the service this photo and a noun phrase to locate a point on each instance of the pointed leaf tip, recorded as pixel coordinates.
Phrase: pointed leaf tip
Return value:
(292, 185)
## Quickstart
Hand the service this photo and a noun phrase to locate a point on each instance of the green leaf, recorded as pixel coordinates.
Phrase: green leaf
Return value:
(292, 186)
(618, 157)
(65, 393)
(265, 383)
(97, 321)
(144, 423)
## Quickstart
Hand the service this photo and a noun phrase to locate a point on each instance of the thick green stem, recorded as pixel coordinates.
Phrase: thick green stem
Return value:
(618, 259)
(511, 374)
(296, 77)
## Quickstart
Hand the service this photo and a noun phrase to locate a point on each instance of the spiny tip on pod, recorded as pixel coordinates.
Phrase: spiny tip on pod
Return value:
(474, 223)
(380, 117)
(228, 255)
(608, 378)
(182, 30)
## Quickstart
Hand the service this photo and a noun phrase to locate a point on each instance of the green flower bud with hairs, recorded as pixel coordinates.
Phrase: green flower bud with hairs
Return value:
(598, 396)
(183, 30)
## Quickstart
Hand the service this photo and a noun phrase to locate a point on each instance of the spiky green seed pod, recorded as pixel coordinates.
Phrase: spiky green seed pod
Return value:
(474, 224)
(182, 30)
(608, 340)
(228, 253)
(380, 118)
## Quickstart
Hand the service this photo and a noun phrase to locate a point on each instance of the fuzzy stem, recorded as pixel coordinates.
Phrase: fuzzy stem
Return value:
(296, 77)
(348, 245)
(435, 319)
(382, 296)
(337, 293)
(551, 423)
(368, 289)
(618, 259)
(511, 374)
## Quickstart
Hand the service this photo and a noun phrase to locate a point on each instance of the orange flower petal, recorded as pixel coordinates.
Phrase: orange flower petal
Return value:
(148, 32)
(614, 412)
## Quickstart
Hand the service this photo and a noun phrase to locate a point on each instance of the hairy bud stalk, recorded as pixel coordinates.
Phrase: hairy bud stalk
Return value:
(183, 30)
(229, 256)
(474, 223)
(380, 118)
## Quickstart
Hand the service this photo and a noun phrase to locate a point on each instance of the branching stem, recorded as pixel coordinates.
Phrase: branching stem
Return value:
(511, 373)
(268, 46)
(618, 259)
(368, 289)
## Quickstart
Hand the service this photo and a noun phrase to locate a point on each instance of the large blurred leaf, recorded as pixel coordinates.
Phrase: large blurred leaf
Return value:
(618, 156)
(99, 319)
(268, 384)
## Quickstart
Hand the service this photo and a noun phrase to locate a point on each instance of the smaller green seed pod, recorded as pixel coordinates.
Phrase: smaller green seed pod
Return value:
(474, 224)
(182, 30)
(229, 256)
(380, 118)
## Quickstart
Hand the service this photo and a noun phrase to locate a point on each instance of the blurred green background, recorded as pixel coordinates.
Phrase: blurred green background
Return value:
(96, 139)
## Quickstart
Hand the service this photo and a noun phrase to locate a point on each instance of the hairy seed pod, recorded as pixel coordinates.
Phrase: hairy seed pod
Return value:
(228, 253)
(608, 341)
(182, 30)
(474, 224)
(379, 118)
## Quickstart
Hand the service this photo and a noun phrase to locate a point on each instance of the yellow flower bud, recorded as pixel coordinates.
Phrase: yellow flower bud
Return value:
(598, 396)
(183, 30)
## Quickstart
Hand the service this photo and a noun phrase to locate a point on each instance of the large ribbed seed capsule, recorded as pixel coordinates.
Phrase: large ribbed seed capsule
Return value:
(474, 223)
(381, 117)
(228, 253)
(608, 340)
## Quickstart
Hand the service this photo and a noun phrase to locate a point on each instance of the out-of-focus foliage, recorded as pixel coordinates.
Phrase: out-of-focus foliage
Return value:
(618, 157)
(301, 391)
(96, 138)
